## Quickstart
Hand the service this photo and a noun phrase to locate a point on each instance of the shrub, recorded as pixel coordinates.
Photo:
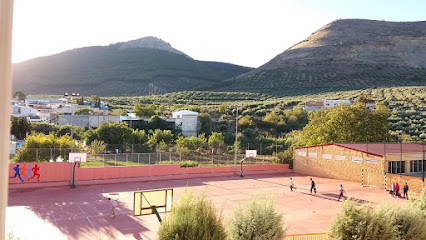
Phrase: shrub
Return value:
(419, 202)
(353, 222)
(193, 218)
(286, 157)
(166, 162)
(258, 220)
(188, 164)
(97, 146)
(407, 221)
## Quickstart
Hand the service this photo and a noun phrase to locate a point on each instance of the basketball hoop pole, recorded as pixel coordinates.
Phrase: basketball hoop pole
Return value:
(242, 172)
(73, 175)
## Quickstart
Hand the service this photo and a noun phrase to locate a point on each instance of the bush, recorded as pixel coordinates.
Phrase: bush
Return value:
(353, 222)
(188, 164)
(258, 220)
(193, 218)
(166, 162)
(407, 221)
(286, 157)
(419, 202)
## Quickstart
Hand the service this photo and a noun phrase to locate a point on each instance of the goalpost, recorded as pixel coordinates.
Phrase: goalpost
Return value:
(373, 178)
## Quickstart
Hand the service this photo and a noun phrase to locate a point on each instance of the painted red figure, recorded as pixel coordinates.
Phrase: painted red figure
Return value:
(35, 170)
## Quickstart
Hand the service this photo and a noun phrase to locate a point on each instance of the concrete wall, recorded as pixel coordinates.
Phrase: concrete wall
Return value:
(336, 162)
(189, 125)
(59, 174)
(415, 184)
(86, 120)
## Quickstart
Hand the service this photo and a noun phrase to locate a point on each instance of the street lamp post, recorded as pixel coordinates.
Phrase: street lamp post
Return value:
(236, 138)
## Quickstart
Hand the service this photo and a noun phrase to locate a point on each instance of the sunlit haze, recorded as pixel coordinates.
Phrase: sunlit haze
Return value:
(247, 33)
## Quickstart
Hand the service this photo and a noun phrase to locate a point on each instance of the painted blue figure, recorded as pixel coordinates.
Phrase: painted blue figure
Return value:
(17, 173)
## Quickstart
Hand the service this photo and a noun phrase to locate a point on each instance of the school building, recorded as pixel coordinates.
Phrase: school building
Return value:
(371, 164)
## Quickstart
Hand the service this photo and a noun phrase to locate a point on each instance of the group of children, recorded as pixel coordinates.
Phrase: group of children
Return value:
(394, 192)
(314, 189)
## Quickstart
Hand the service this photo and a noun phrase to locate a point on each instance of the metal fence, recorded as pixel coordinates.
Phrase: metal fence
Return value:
(124, 159)
(310, 236)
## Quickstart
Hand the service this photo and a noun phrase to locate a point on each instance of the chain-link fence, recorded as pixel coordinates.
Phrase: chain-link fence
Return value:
(141, 154)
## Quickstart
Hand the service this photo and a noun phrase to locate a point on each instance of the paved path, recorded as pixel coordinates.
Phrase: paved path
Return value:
(83, 213)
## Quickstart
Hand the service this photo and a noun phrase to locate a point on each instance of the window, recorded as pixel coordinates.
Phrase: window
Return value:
(416, 166)
(396, 167)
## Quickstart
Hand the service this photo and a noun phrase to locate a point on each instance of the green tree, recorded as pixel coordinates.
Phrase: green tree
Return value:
(272, 119)
(83, 111)
(258, 220)
(157, 123)
(112, 133)
(186, 144)
(193, 218)
(140, 141)
(216, 140)
(246, 122)
(20, 127)
(350, 124)
(77, 132)
(42, 127)
(144, 110)
(160, 138)
(120, 112)
(206, 123)
(35, 146)
(19, 95)
(97, 146)
(96, 100)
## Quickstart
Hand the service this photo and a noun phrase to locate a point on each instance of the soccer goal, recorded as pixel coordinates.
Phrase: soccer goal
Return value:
(373, 178)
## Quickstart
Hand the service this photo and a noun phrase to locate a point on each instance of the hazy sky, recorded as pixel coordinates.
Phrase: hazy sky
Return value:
(246, 32)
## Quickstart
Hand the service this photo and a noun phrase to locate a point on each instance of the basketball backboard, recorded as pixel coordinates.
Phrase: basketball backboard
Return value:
(145, 201)
(251, 153)
(77, 157)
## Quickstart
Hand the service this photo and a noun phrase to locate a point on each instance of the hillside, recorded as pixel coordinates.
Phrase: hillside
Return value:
(343, 55)
(137, 67)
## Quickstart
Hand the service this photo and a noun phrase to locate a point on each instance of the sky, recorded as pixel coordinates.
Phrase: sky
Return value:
(243, 32)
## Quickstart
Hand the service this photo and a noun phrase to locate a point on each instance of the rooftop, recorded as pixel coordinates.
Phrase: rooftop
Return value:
(380, 149)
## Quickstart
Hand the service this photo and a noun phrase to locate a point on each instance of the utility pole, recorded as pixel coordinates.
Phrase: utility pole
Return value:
(71, 136)
(236, 137)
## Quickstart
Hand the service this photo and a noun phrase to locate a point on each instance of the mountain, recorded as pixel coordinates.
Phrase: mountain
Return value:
(346, 54)
(137, 67)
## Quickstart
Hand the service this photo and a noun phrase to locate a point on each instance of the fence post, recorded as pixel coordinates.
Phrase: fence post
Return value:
(149, 158)
(138, 157)
(37, 154)
(51, 155)
(115, 158)
(180, 157)
(260, 150)
(127, 158)
(103, 160)
(170, 156)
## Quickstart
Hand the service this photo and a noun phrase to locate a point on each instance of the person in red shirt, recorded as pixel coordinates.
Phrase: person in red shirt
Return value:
(397, 190)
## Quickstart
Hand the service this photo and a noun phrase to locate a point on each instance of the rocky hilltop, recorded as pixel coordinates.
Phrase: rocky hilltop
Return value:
(343, 55)
(138, 67)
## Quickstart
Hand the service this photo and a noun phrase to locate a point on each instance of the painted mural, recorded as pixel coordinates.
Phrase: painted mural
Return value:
(24, 173)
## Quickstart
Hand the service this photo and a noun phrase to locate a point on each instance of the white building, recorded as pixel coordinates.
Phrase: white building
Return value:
(87, 120)
(187, 121)
(17, 110)
(318, 105)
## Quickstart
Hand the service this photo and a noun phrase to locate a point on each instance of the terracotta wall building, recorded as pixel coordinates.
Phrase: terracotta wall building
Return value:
(373, 164)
